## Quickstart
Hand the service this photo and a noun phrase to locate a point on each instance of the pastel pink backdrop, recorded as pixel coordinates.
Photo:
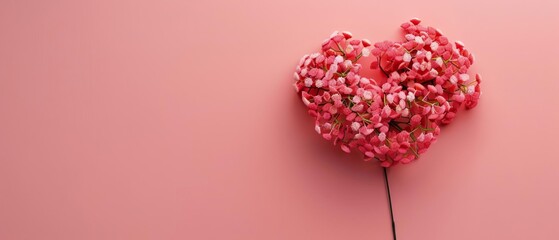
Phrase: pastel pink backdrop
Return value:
(177, 120)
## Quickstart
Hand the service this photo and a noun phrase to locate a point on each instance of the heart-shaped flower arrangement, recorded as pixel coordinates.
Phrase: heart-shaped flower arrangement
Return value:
(396, 119)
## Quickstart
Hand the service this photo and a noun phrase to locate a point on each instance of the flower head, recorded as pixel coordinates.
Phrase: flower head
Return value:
(396, 119)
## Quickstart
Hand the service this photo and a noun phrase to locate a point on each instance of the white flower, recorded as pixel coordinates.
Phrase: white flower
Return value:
(434, 46)
(411, 96)
(307, 62)
(348, 63)
(471, 89)
(355, 126)
(364, 80)
(365, 52)
(415, 66)
(368, 95)
(439, 61)
(390, 98)
(407, 57)
(296, 76)
(453, 79)
(308, 82)
(434, 72)
(464, 77)
(304, 72)
(338, 59)
(349, 48)
(419, 40)
(319, 83)
(317, 128)
(421, 137)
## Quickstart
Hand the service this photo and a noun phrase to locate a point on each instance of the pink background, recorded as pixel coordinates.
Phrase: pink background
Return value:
(176, 120)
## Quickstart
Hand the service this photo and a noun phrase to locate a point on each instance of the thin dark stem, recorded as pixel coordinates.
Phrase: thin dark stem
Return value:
(390, 203)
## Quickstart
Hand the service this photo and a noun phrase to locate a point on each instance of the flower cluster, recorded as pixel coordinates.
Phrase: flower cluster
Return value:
(395, 119)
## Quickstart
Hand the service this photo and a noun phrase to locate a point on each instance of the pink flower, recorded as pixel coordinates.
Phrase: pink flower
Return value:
(394, 120)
